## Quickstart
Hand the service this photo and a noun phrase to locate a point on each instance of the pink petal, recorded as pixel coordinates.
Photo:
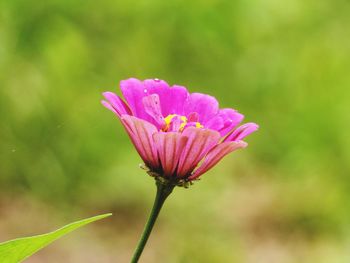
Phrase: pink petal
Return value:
(115, 104)
(172, 99)
(141, 134)
(206, 106)
(109, 106)
(152, 107)
(243, 131)
(225, 121)
(215, 155)
(216, 123)
(133, 91)
(169, 146)
(200, 141)
(231, 119)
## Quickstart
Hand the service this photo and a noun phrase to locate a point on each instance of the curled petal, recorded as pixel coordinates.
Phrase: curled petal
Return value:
(115, 104)
(169, 146)
(242, 131)
(109, 106)
(152, 107)
(200, 141)
(141, 134)
(215, 155)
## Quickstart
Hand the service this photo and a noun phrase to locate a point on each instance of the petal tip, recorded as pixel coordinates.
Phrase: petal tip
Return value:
(241, 144)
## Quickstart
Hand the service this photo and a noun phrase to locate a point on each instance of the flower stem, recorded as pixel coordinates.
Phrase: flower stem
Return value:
(163, 191)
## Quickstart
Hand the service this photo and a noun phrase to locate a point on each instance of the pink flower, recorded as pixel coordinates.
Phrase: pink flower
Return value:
(179, 135)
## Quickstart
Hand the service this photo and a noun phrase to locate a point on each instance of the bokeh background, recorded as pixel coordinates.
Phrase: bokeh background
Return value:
(63, 157)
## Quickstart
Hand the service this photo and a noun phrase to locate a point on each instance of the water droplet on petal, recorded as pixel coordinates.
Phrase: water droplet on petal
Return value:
(156, 79)
(145, 90)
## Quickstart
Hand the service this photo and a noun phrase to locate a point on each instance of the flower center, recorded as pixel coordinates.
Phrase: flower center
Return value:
(175, 122)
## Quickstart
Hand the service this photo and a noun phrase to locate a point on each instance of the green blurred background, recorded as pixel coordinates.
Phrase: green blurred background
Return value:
(284, 64)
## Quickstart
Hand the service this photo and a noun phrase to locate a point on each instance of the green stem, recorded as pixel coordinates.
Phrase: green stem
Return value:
(163, 191)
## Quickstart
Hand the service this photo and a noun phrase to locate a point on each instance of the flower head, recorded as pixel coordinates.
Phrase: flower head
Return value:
(179, 135)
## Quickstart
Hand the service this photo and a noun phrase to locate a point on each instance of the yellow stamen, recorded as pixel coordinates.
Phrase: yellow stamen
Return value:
(168, 119)
(198, 125)
(184, 122)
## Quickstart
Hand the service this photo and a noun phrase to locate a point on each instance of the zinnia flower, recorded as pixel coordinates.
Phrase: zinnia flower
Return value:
(179, 135)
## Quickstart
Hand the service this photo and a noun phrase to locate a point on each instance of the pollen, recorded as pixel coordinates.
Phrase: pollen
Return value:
(198, 125)
(184, 122)
(169, 118)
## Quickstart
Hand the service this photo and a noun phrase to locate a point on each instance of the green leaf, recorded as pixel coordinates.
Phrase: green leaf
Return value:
(16, 250)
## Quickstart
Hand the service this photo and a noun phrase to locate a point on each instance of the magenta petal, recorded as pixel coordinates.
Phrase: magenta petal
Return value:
(109, 106)
(225, 121)
(215, 155)
(133, 91)
(115, 104)
(200, 141)
(175, 100)
(172, 99)
(156, 86)
(169, 146)
(217, 123)
(206, 106)
(231, 119)
(152, 107)
(242, 131)
(141, 134)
